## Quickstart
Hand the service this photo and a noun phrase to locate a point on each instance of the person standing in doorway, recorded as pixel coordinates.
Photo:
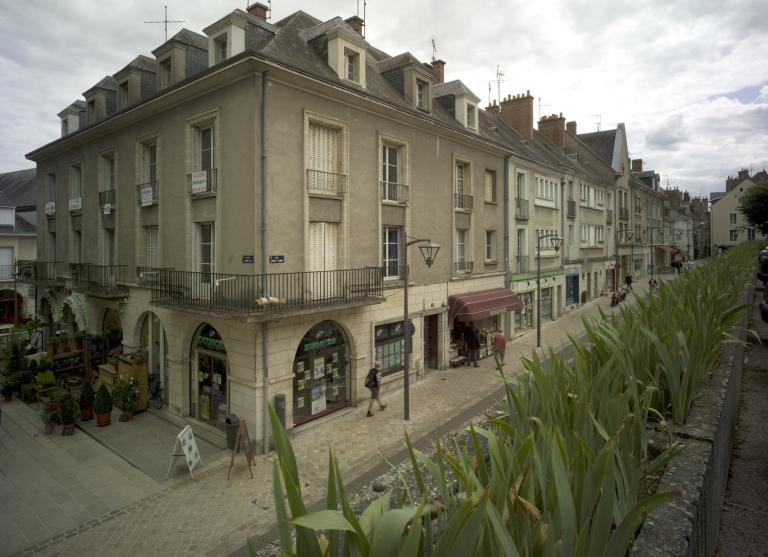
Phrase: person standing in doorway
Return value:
(373, 381)
(499, 344)
(629, 282)
(473, 344)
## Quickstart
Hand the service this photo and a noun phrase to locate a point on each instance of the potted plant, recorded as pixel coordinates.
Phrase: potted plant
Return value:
(86, 401)
(102, 406)
(125, 394)
(48, 415)
(45, 381)
(67, 414)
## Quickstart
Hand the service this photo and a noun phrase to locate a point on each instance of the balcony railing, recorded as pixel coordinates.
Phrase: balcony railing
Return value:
(623, 212)
(609, 216)
(99, 280)
(571, 208)
(521, 208)
(148, 276)
(249, 294)
(107, 200)
(463, 202)
(75, 204)
(39, 272)
(7, 272)
(326, 183)
(523, 263)
(396, 193)
(147, 193)
(463, 266)
(203, 182)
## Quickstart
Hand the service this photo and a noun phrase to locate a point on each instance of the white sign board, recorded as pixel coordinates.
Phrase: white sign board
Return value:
(199, 181)
(146, 196)
(107, 208)
(76, 204)
(50, 208)
(185, 442)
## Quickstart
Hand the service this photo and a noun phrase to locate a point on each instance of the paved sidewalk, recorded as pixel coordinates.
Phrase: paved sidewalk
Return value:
(212, 516)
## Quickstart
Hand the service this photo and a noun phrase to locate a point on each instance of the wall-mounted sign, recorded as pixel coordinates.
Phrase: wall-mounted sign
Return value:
(50, 208)
(247, 259)
(107, 208)
(199, 181)
(75, 204)
(277, 259)
(147, 197)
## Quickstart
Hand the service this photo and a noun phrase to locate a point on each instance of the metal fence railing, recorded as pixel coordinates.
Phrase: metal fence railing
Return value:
(147, 193)
(463, 202)
(326, 183)
(37, 272)
(397, 193)
(203, 182)
(99, 279)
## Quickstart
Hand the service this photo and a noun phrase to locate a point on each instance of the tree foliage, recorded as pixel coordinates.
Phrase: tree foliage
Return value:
(754, 206)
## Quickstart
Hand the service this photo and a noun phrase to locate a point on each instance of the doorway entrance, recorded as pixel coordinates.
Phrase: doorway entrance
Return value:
(210, 367)
(431, 327)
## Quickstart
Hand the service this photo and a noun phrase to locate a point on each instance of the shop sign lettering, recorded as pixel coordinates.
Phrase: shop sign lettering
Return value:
(316, 345)
(211, 344)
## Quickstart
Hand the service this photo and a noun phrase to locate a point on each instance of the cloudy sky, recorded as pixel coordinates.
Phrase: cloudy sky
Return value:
(688, 78)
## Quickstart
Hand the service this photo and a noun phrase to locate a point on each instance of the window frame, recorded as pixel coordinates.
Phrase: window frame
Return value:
(492, 198)
(386, 244)
(490, 246)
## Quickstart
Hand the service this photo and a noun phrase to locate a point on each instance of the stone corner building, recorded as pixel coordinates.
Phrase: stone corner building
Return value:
(240, 204)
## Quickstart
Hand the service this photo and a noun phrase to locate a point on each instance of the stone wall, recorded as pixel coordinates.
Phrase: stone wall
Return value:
(689, 524)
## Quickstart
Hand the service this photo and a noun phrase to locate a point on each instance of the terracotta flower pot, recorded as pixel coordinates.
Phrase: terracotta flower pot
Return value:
(104, 419)
(86, 413)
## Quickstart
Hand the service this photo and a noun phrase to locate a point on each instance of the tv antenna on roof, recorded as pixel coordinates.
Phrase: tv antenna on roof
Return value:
(540, 105)
(166, 21)
(599, 120)
(358, 13)
(434, 49)
(499, 80)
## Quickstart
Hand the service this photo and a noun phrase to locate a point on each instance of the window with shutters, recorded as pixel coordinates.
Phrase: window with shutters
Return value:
(7, 216)
(490, 186)
(323, 173)
(490, 246)
(150, 235)
(461, 259)
(205, 261)
(390, 256)
(462, 188)
(392, 186)
(323, 241)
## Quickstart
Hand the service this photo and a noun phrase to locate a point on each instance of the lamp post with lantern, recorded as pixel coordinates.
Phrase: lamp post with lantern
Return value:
(556, 242)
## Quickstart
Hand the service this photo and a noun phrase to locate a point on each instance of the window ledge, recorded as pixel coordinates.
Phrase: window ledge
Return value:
(490, 202)
(545, 203)
(203, 195)
(491, 262)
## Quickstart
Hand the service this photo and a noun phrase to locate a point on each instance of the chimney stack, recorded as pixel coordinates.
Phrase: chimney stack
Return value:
(637, 165)
(357, 23)
(517, 111)
(493, 108)
(553, 128)
(258, 10)
(571, 127)
(438, 70)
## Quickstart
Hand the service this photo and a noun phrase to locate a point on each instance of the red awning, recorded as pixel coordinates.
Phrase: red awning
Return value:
(670, 249)
(476, 306)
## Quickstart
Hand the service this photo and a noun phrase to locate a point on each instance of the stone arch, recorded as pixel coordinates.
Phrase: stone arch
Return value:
(209, 375)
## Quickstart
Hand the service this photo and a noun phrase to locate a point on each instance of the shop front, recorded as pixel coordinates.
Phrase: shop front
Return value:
(524, 317)
(321, 382)
(546, 304)
(210, 396)
(571, 285)
(485, 310)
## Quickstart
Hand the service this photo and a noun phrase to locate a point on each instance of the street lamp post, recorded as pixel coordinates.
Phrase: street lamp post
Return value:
(556, 242)
(429, 252)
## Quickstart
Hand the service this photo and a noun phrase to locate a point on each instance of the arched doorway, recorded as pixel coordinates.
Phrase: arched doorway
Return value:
(209, 367)
(154, 341)
(7, 312)
(321, 382)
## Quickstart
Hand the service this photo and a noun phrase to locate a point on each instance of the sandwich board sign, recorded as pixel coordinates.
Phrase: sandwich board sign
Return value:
(185, 447)
(243, 443)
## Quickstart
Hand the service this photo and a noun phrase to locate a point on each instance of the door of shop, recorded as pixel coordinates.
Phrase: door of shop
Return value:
(430, 341)
(212, 388)
(524, 317)
(546, 304)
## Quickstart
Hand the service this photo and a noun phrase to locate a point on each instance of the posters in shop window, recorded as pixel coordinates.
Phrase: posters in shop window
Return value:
(318, 399)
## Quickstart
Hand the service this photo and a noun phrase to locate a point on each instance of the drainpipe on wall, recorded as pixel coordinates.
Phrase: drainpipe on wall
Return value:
(264, 262)
(508, 326)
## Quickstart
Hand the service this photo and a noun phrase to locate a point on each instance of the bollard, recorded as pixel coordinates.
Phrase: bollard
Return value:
(280, 409)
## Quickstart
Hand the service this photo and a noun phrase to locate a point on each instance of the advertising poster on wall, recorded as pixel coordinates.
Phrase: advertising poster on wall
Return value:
(319, 368)
(318, 399)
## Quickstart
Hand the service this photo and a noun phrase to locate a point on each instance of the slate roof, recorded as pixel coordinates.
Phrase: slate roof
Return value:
(456, 88)
(141, 62)
(75, 107)
(107, 83)
(20, 187)
(187, 37)
(601, 143)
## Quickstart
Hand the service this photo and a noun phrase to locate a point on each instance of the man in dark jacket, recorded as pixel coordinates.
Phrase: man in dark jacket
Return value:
(473, 343)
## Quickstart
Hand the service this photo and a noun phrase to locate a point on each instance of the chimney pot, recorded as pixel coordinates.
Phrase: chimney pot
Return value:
(637, 165)
(357, 23)
(438, 70)
(258, 10)
(553, 128)
(571, 127)
(517, 111)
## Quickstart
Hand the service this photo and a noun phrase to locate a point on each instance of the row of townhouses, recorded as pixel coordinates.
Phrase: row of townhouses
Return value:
(729, 225)
(242, 202)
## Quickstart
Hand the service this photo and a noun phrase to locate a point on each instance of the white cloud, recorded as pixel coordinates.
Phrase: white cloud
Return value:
(662, 68)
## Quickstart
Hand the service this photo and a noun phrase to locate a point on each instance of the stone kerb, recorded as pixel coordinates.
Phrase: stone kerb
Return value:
(689, 524)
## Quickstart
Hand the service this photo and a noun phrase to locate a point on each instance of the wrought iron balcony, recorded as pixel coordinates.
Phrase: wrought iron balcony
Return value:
(7, 272)
(40, 272)
(463, 266)
(521, 208)
(571, 208)
(320, 182)
(523, 263)
(258, 294)
(609, 216)
(105, 281)
(203, 182)
(623, 212)
(147, 193)
(395, 193)
(107, 200)
(148, 276)
(462, 202)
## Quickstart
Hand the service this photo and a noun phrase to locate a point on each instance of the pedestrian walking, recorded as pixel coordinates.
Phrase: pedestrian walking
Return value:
(499, 344)
(373, 381)
(628, 282)
(690, 264)
(473, 344)
(653, 284)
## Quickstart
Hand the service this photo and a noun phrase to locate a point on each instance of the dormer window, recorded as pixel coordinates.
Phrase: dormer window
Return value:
(91, 111)
(64, 127)
(422, 90)
(122, 95)
(352, 65)
(471, 116)
(220, 46)
(166, 76)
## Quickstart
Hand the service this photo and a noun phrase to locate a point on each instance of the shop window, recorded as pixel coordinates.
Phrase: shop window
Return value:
(390, 347)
